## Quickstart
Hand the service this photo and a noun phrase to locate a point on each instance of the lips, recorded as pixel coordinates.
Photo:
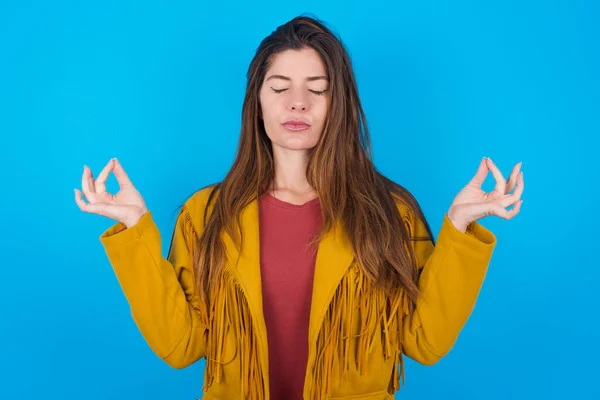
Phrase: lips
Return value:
(296, 125)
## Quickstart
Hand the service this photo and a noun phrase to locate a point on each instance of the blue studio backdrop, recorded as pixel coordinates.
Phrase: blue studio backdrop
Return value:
(160, 85)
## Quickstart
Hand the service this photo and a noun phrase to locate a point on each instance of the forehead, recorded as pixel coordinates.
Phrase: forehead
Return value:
(297, 63)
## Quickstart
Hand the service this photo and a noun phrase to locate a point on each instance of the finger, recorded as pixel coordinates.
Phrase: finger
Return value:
(83, 206)
(500, 210)
(79, 200)
(507, 201)
(480, 175)
(510, 214)
(500, 181)
(103, 176)
(121, 175)
(513, 178)
(87, 184)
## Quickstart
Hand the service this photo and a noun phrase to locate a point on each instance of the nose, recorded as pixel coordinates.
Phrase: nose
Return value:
(298, 106)
(298, 102)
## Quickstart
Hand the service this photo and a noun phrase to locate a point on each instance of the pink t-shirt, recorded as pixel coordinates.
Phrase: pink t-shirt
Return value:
(287, 270)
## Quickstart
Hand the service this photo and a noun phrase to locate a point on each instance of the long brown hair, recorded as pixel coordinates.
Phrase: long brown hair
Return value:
(340, 169)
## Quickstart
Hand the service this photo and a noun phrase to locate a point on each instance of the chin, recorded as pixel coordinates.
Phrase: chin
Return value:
(296, 144)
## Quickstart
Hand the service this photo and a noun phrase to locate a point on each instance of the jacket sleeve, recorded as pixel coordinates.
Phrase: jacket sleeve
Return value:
(451, 277)
(160, 291)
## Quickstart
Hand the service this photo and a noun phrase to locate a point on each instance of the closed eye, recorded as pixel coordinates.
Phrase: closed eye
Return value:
(317, 92)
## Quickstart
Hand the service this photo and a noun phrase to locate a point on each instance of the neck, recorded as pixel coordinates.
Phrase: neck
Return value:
(290, 170)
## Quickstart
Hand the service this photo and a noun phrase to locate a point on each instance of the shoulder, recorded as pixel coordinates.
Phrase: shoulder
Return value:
(412, 216)
(201, 202)
(405, 206)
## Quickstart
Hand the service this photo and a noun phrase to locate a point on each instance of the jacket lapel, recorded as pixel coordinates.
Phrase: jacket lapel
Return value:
(245, 266)
(334, 257)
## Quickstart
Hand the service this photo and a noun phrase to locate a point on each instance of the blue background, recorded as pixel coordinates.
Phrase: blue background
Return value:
(160, 85)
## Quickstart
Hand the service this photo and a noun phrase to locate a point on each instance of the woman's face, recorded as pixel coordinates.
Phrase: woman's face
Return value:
(294, 99)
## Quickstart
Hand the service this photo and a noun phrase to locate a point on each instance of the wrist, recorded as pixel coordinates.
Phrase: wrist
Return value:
(459, 222)
(135, 219)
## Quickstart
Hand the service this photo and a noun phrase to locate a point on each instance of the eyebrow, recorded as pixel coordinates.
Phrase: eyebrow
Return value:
(287, 78)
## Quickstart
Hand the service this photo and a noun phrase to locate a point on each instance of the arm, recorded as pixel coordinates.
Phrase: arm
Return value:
(451, 278)
(160, 292)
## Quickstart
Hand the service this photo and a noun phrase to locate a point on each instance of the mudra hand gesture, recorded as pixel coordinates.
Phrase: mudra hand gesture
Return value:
(472, 203)
(127, 206)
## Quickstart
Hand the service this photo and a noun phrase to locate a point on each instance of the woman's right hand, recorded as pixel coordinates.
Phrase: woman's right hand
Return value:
(127, 206)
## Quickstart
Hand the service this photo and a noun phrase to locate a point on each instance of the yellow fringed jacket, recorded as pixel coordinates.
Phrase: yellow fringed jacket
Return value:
(357, 335)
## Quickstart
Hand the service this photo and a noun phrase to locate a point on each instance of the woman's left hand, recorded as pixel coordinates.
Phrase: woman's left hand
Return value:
(472, 203)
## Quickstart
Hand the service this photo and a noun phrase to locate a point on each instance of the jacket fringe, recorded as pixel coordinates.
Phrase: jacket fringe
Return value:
(228, 313)
(378, 313)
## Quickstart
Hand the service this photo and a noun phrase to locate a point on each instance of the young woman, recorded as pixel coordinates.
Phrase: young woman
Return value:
(305, 273)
